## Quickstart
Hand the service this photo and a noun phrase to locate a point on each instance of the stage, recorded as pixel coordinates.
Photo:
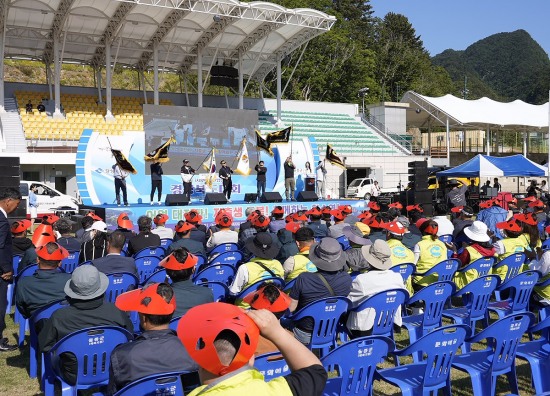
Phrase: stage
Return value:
(176, 213)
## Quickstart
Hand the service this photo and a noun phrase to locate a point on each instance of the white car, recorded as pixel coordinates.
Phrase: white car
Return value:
(361, 188)
(48, 199)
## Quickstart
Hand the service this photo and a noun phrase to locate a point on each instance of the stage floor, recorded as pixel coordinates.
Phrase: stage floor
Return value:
(111, 212)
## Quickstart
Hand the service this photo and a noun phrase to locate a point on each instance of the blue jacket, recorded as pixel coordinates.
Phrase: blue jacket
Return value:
(492, 216)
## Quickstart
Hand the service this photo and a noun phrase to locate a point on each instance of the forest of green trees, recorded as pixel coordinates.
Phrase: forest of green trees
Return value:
(386, 55)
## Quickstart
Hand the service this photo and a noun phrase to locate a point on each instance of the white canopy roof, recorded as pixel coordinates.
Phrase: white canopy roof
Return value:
(263, 33)
(478, 113)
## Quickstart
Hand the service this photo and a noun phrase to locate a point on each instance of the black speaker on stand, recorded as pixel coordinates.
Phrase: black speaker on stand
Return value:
(250, 197)
(271, 197)
(307, 196)
(176, 200)
(215, 199)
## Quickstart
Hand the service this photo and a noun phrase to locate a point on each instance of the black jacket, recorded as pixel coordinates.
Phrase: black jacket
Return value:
(37, 291)
(20, 245)
(6, 250)
(289, 170)
(260, 172)
(115, 263)
(141, 241)
(195, 247)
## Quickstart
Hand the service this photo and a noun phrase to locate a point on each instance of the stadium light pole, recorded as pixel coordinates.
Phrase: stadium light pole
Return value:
(362, 93)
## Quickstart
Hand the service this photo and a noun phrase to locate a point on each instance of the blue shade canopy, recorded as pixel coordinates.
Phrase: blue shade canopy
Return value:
(488, 166)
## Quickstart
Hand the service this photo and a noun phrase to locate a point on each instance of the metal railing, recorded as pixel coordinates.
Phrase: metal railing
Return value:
(403, 142)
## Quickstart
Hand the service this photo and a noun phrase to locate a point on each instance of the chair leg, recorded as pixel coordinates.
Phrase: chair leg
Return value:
(512, 380)
(33, 367)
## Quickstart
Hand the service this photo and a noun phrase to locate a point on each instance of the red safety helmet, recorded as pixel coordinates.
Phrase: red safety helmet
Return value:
(278, 210)
(185, 226)
(59, 254)
(42, 238)
(416, 207)
(49, 219)
(19, 226)
(338, 214)
(374, 207)
(123, 221)
(161, 218)
(94, 216)
(257, 300)
(293, 226)
(170, 262)
(225, 220)
(260, 221)
(510, 225)
(396, 205)
(193, 216)
(155, 305)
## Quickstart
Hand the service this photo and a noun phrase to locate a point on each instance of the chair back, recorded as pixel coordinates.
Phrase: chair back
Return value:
(120, 283)
(165, 243)
(435, 297)
(326, 314)
(545, 245)
(224, 247)
(256, 285)
(271, 365)
(157, 384)
(445, 270)
(289, 285)
(439, 347)
(385, 305)
(155, 251)
(146, 266)
(482, 265)
(513, 262)
(174, 323)
(521, 286)
(355, 363)
(479, 294)
(233, 257)
(447, 238)
(71, 262)
(92, 348)
(219, 290)
(223, 273)
(158, 276)
(405, 270)
(344, 242)
(29, 270)
(15, 262)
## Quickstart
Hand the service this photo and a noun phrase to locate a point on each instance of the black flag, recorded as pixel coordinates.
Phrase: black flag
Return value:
(160, 154)
(261, 143)
(282, 136)
(333, 158)
(123, 162)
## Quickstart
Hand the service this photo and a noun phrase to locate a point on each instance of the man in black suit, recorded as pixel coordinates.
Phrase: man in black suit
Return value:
(225, 175)
(113, 262)
(9, 200)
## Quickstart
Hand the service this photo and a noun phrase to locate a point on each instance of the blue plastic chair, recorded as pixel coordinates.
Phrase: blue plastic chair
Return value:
(326, 315)
(355, 363)
(158, 276)
(120, 283)
(174, 323)
(433, 372)
(447, 238)
(520, 287)
(537, 354)
(255, 286)
(385, 305)
(271, 365)
(483, 266)
(146, 266)
(158, 384)
(29, 270)
(223, 273)
(514, 262)
(156, 251)
(92, 348)
(344, 242)
(70, 263)
(476, 295)
(405, 270)
(434, 296)
(34, 353)
(165, 243)
(546, 245)
(289, 285)
(445, 270)
(219, 290)
(498, 358)
(224, 247)
(11, 286)
(233, 258)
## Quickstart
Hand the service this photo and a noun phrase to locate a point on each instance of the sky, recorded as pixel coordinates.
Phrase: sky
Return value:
(456, 24)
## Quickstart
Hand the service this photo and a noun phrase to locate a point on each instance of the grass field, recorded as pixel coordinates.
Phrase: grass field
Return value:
(15, 379)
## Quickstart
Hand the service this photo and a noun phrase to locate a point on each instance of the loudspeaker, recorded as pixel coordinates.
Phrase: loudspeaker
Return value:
(307, 196)
(215, 199)
(250, 197)
(20, 212)
(271, 197)
(176, 200)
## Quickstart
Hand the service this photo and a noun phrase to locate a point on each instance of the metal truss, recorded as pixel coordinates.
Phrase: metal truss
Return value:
(57, 26)
(429, 108)
(253, 38)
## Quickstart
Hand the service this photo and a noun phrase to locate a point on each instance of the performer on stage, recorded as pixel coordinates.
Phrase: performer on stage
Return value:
(187, 174)
(261, 171)
(156, 180)
(120, 184)
(320, 183)
(225, 175)
(290, 183)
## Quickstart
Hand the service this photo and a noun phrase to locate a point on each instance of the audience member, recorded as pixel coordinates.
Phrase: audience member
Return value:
(183, 230)
(83, 234)
(249, 212)
(225, 234)
(410, 238)
(278, 222)
(285, 238)
(444, 225)
(28, 107)
(377, 231)
(180, 266)
(463, 219)
(199, 232)
(229, 338)
(259, 222)
(320, 230)
(161, 230)
(96, 247)
(125, 225)
(493, 215)
(356, 237)
(113, 262)
(46, 285)
(336, 230)
(298, 263)
(157, 349)
(87, 308)
(510, 244)
(20, 242)
(428, 252)
(67, 240)
(145, 238)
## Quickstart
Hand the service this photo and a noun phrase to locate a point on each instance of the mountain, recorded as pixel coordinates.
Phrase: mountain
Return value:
(504, 67)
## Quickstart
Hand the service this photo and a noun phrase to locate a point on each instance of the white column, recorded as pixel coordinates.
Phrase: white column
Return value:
(448, 138)
(524, 143)
(109, 106)
(57, 78)
(99, 93)
(279, 90)
(199, 78)
(487, 140)
(155, 76)
(241, 85)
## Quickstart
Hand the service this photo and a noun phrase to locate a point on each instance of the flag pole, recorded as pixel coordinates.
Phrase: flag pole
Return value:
(207, 155)
(291, 136)
(239, 153)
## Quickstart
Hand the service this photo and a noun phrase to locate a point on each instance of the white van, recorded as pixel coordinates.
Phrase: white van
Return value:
(48, 199)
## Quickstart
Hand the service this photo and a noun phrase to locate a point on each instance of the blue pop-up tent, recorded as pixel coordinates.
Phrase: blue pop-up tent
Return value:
(488, 166)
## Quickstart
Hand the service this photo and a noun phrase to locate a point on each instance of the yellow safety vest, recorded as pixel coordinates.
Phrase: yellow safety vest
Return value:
(302, 263)
(257, 273)
(511, 246)
(543, 292)
(400, 254)
(431, 253)
(461, 279)
(247, 382)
